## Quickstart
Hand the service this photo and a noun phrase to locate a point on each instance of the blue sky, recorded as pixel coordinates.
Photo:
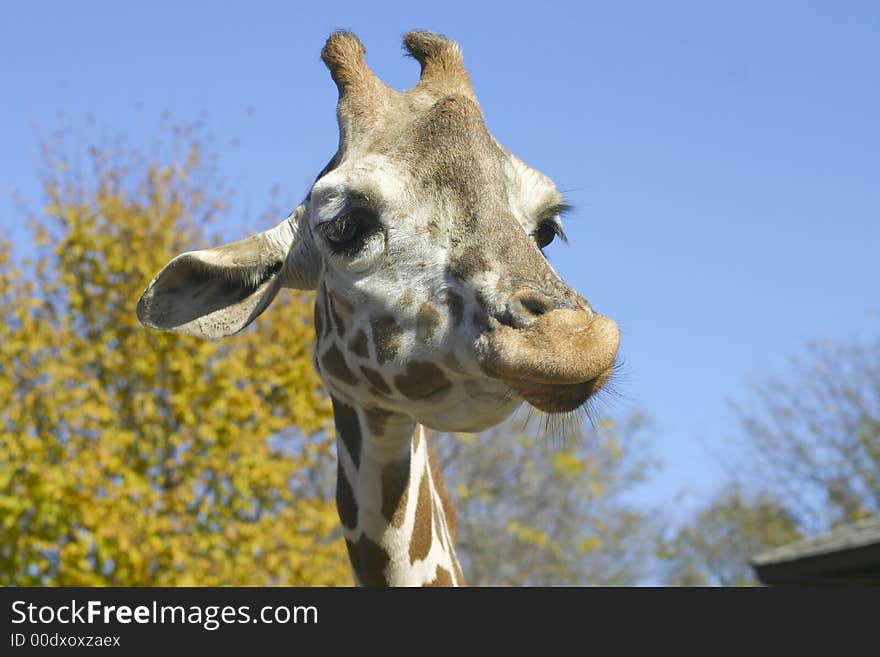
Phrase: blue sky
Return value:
(723, 158)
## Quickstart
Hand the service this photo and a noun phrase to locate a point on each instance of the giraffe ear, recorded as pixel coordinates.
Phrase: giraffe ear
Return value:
(217, 292)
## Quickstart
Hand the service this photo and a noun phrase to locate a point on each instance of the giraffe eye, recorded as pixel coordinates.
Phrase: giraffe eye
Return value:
(341, 231)
(546, 232)
(346, 234)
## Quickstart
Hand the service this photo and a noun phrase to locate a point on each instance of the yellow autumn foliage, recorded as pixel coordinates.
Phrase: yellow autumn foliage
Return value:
(531, 535)
(549, 504)
(133, 457)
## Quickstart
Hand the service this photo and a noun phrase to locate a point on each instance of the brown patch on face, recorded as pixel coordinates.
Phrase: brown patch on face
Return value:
(427, 320)
(346, 504)
(468, 263)
(335, 366)
(421, 380)
(369, 560)
(386, 337)
(420, 543)
(376, 419)
(348, 429)
(375, 379)
(443, 578)
(456, 307)
(395, 479)
(407, 299)
(358, 344)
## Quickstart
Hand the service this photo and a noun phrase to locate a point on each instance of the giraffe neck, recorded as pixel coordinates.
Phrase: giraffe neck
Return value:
(393, 516)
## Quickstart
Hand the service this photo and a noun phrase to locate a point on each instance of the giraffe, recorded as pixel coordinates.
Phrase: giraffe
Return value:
(435, 307)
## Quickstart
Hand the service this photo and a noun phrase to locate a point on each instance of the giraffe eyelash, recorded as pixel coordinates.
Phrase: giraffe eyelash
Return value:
(347, 233)
(549, 225)
(546, 231)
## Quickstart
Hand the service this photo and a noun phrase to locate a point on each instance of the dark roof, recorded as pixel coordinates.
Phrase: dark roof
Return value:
(849, 554)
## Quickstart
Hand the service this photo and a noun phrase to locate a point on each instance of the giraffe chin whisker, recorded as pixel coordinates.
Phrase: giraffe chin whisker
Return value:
(561, 398)
(566, 424)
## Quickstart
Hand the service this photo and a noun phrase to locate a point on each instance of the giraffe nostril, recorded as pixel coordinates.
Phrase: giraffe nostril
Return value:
(535, 303)
(524, 307)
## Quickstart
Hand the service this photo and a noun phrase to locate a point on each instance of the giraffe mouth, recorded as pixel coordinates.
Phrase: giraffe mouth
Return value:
(560, 398)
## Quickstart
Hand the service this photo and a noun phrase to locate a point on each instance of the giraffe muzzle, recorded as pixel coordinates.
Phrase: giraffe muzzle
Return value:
(555, 363)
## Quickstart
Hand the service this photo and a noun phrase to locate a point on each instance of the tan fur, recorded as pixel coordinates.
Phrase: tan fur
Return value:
(441, 311)
(443, 70)
(584, 348)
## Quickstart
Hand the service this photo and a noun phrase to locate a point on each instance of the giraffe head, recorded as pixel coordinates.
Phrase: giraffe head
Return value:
(423, 239)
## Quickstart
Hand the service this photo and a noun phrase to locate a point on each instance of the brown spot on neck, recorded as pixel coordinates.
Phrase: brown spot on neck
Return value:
(407, 299)
(348, 429)
(369, 561)
(421, 379)
(346, 504)
(420, 541)
(442, 578)
(386, 338)
(427, 321)
(395, 481)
